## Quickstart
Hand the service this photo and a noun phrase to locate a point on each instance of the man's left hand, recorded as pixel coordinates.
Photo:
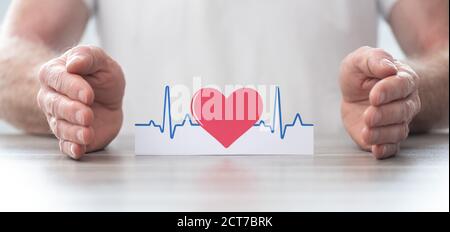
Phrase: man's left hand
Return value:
(380, 98)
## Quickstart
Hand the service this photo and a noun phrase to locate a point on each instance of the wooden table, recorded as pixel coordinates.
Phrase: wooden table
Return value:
(34, 176)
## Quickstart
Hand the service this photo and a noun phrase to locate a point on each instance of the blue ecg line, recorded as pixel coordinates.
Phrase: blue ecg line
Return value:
(173, 127)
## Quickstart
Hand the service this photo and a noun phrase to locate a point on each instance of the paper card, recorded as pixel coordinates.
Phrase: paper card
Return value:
(208, 130)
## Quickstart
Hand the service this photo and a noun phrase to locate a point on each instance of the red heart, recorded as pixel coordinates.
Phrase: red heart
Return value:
(226, 119)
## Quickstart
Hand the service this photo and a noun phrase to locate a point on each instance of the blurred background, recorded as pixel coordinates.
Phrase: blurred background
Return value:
(385, 40)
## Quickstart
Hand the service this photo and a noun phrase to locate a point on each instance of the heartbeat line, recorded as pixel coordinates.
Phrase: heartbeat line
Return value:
(167, 115)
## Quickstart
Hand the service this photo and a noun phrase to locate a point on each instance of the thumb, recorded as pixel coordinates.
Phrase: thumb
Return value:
(371, 62)
(362, 69)
(85, 60)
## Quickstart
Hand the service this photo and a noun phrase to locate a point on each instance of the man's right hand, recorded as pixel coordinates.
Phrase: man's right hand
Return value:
(81, 94)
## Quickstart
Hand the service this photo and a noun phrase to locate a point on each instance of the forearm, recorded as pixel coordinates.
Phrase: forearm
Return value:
(19, 64)
(433, 71)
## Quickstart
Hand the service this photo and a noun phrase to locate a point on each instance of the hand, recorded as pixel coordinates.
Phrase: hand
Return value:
(81, 94)
(379, 99)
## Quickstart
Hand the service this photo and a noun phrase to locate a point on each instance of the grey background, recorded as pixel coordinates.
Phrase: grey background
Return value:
(385, 40)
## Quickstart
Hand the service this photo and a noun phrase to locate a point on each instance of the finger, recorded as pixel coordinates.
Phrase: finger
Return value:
(386, 134)
(384, 151)
(69, 132)
(372, 62)
(75, 151)
(54, 75)
(393, 88)
(404, 67)
(402, 111)
(61, 107)
(86, 60)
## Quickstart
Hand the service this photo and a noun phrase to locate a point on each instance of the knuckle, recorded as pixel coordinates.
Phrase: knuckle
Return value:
(409, 84)
(55, 105)
(40, 99)
(418, 103)
(46, 69)
(52, 74)
(52, 103)
(57, 125)
(58, 80)
(61, 145)
(412, 109)
(53, 124)
(408, 69)
(42, 74)
(408, 80)
(416, 79)
(405, 109)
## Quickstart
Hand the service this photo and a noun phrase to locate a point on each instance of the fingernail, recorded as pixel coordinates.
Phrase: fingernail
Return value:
(80, 135)
(79, 117)
(381, 98)
(72, 150)
(388, 63)
(73, 59)
(82, 96)
(403, 74)
(376, 118)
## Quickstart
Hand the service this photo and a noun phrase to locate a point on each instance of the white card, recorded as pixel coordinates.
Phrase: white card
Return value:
(193, 140)
(190, 137)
